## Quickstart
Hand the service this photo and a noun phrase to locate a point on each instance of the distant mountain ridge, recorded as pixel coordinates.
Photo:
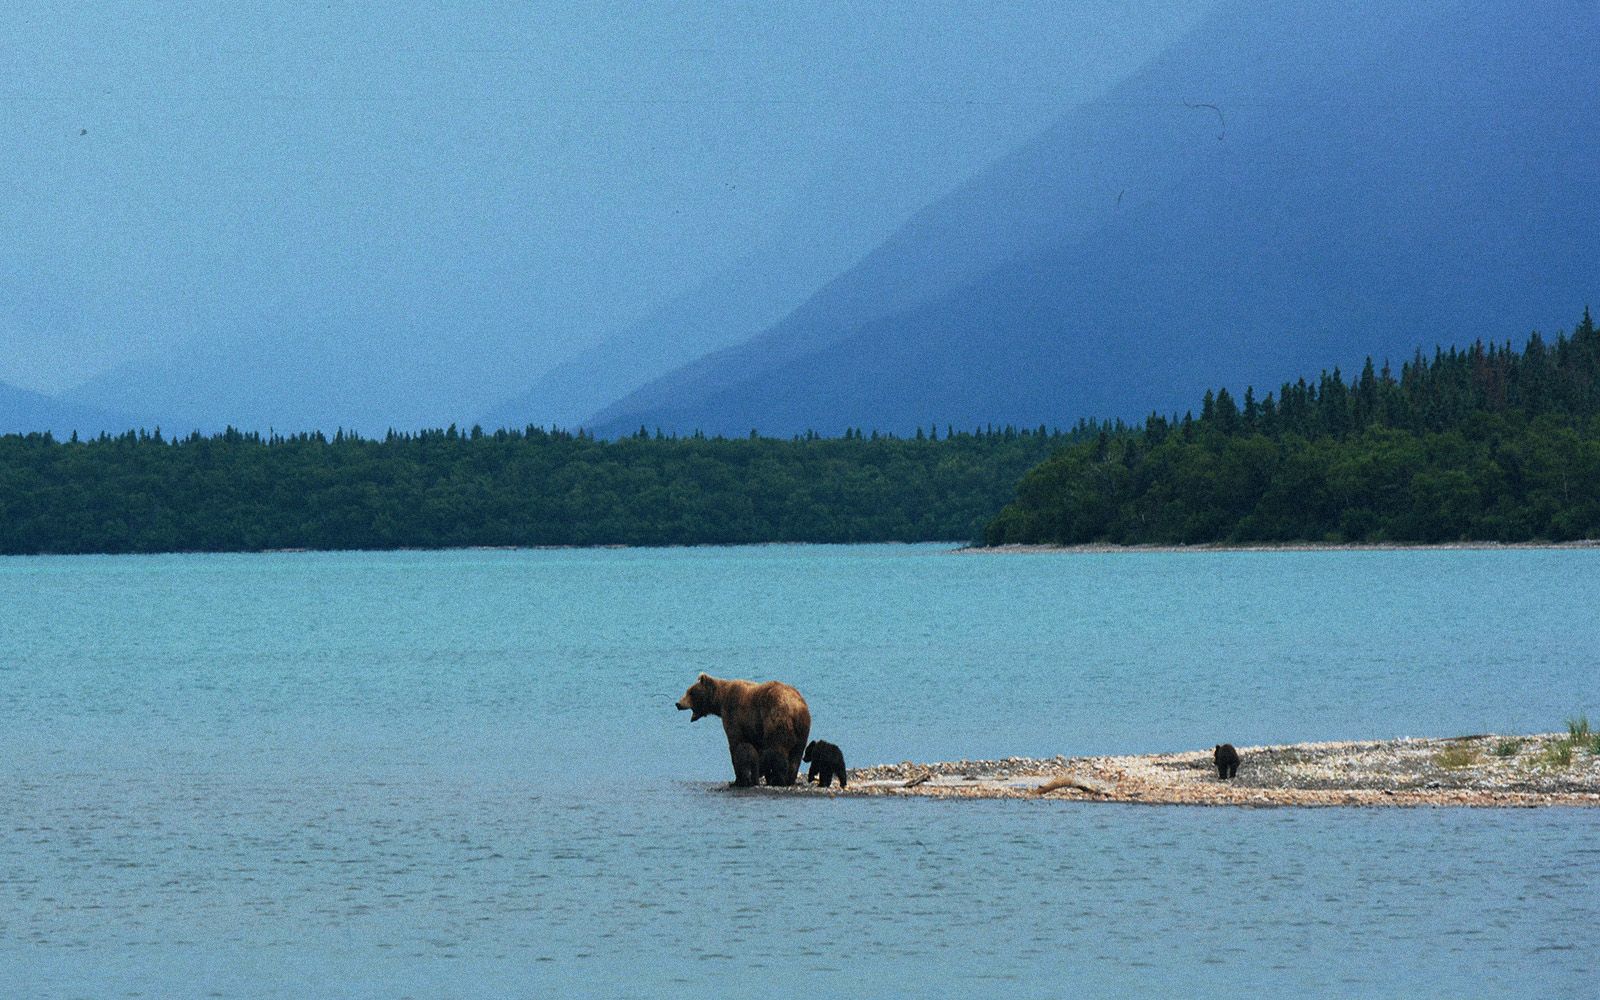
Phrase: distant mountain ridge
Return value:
(752, 293)
(1290, 183)
(23, 411)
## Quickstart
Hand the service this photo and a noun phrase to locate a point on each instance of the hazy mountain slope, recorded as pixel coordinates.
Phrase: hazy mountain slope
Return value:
(1382, 178)
(23, 411)
(809, 246)
(293, 381)
(953, 241)
(752, 294)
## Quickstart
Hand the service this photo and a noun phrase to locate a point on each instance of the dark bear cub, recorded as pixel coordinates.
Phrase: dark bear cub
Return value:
(1226, 759)
(827, 762)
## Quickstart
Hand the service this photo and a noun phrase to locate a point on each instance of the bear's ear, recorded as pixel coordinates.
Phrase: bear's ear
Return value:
(702, 678)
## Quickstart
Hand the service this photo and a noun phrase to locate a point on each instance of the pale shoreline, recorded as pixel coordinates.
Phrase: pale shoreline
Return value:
(1487, 770)
(1105, 548)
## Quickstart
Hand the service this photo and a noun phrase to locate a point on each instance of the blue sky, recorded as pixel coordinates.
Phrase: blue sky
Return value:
(482, 181)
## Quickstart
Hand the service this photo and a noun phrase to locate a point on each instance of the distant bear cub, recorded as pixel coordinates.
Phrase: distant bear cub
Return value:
(827, 762)
(1226, 759)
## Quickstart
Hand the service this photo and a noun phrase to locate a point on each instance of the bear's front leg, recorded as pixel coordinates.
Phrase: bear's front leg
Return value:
(746, 765)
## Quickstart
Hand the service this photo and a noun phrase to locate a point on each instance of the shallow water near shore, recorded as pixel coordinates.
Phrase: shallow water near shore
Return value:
(460, 774)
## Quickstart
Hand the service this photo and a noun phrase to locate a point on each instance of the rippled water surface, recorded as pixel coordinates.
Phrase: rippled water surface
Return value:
(460, 774)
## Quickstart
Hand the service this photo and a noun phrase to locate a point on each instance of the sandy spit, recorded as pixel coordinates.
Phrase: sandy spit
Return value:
(1104, 549)
(1487, 770)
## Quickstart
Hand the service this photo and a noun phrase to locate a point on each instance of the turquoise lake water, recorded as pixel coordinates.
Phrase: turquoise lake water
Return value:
(461, 774)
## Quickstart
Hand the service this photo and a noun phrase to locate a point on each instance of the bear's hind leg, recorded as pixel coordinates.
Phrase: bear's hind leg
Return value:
(794, 767)
(775, 768)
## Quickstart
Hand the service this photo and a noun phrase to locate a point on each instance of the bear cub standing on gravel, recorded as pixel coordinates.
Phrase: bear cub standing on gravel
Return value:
(827, 761)
(1226, 759)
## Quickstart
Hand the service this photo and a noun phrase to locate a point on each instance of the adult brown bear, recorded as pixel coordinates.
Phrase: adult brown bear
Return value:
(767, 725)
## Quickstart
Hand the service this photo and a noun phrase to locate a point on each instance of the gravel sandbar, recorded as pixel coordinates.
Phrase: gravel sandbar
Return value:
(1480, 770)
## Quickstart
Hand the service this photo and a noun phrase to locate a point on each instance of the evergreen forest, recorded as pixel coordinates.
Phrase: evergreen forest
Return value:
(1485, 443)
(233, 491)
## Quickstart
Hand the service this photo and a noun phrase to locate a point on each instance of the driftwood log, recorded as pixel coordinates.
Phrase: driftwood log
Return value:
(1089, 785)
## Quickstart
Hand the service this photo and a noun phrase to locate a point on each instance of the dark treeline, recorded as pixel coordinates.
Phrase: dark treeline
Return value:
(1485, 443)
(240, 492)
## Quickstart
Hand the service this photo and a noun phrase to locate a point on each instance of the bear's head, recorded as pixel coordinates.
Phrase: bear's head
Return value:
(809, 748)
(701, 698)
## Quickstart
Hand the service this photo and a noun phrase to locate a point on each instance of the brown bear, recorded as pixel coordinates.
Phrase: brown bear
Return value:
(1227, 760)
(766, 724)
(827, 763)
